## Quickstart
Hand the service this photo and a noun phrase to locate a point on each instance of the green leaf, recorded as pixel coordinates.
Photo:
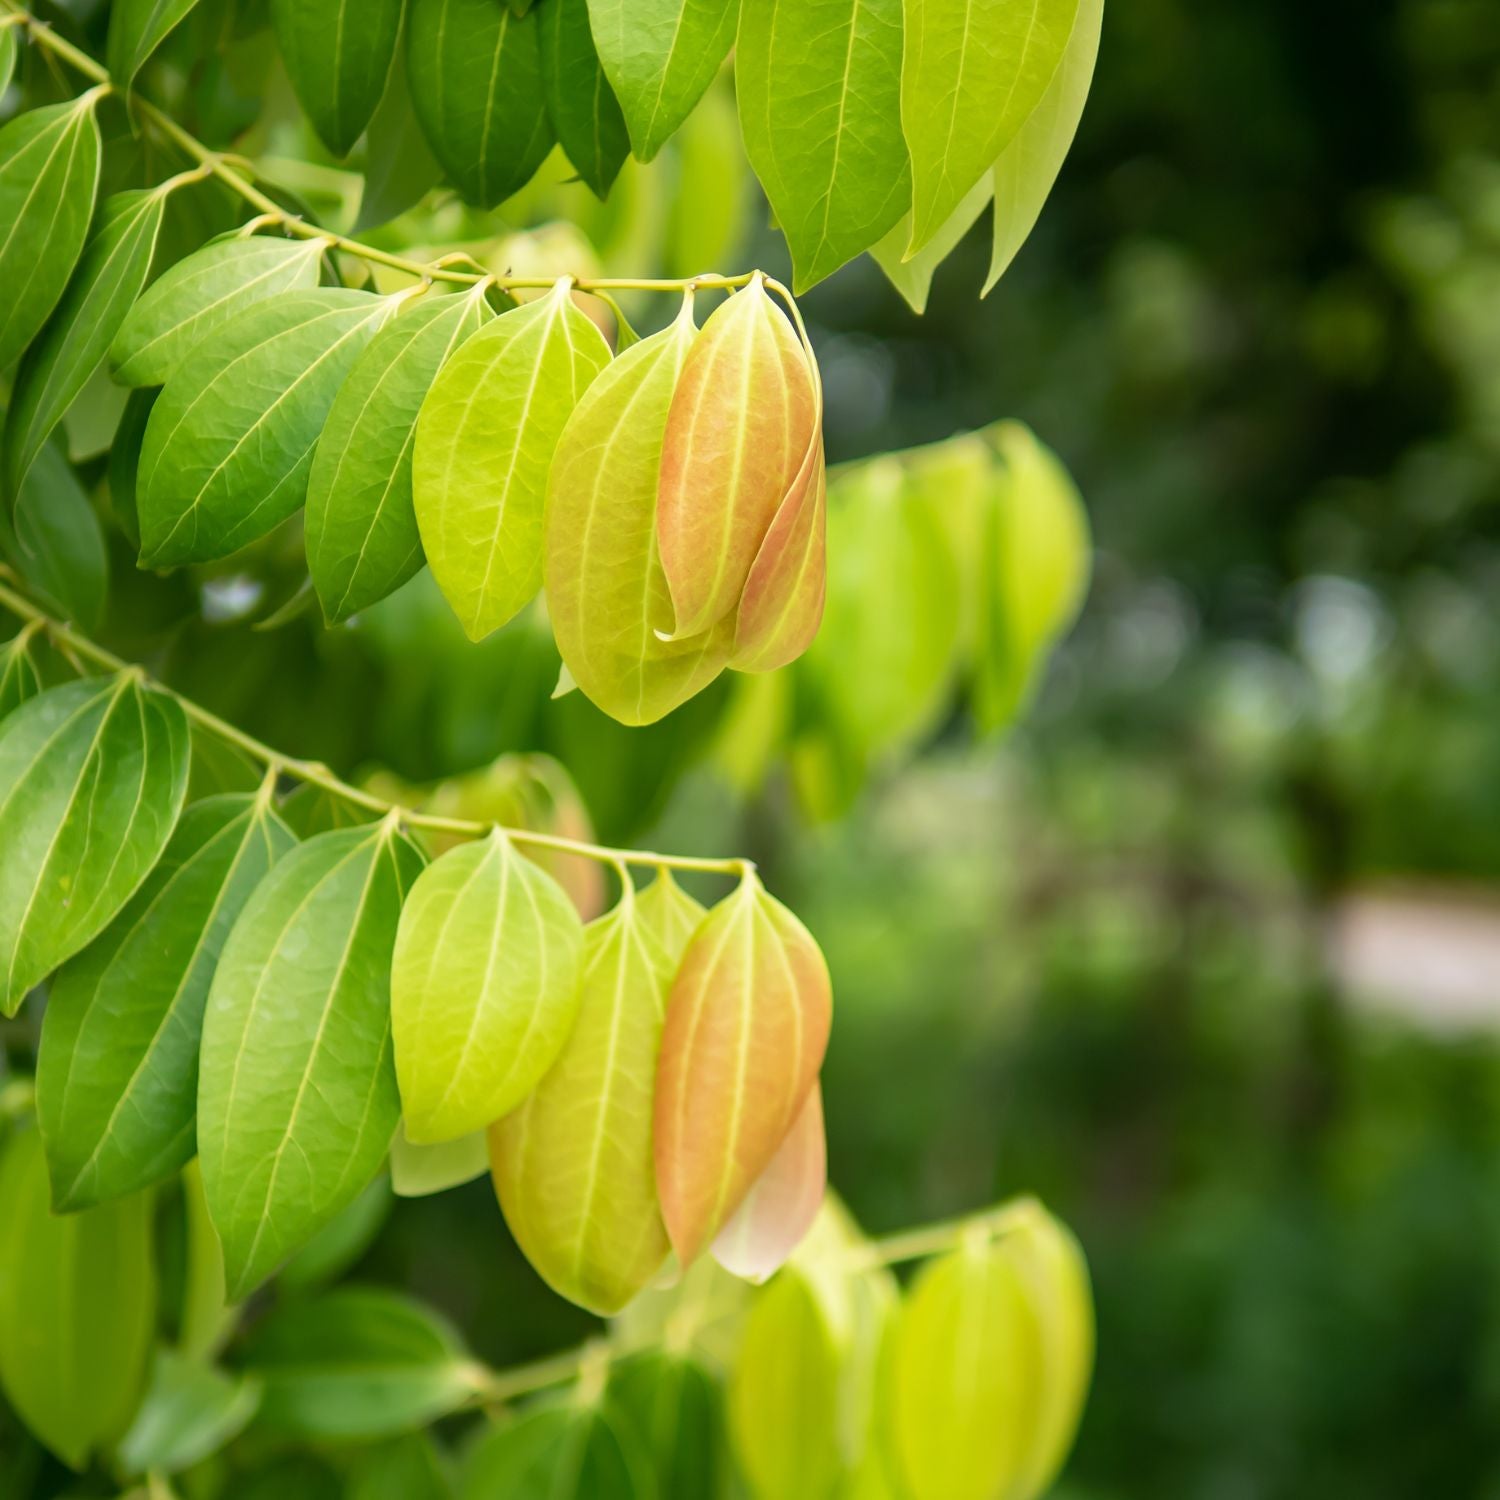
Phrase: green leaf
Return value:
(77, 1305)
(573, 1165)
(484, 987)
(74, 342)
(580, 103)
(399, 166)
(1029, 166)
(405, 1468)
(117, 1076)
(913, 277)
(190, 1411)
(362, 538)
(49, 172)
(670, 913)
(485, 440)
(357, 1363)
(340, 1243)
(659, 57)
(338, 54)
(9, 50)
(19, 678)
(297, 1097)
(125, 461)
(230, 442)
(310, 809)
(198, 295)
(206, 1319)
(607, 596)
(819, 88)
(136, 29)
(560, 1453)
(972, 72)
(676, 1409)
(476, 85)
(92, 778)
(59, 546)
(419, 1171)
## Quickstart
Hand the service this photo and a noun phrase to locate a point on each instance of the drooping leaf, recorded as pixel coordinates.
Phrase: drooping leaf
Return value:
(403, 1468)
(484, 987)
(819, 89)
(357, 1363)
(560, 1453)
(206, 1319)
(573, 1165)
(117, 1075)
(1028, 167)
(77, 336)
(476, 85)
(59, 545)
(136, 29)
(190, 1411)
(125, 461)
(671, 915)
(362, 539)
(747, 1024)
(92, 778)
(913, 277)
(674, 1405)
(19, 678)
(606, 593)
(9, 50)
(780, 1208)
(659, 57)
(972, 72)
(198, 295)
(337, 1247)
(297, 1097)
(49, 173)
(742, 419)
(310, 809)
(77, 1305)
(338, 54)
(399, 165)
(485, 440)
(417, 1171)
(230, 441)
(580, 103)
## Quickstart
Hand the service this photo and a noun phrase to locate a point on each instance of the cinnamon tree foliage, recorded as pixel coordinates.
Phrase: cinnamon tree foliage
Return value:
(261, 991)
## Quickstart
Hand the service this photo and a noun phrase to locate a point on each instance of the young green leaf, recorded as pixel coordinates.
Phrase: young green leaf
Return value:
(676, 1410)
(484, 987)
(117, 1076)
(485, 440)
(742, 420)
(357, 1363)
(49, 173)
(606, 593)
(747, 1025)
(572, 1452)
(77, 1308)
(819, 89)
(59, 544)
(573, 1165)
(19, 678)
(92, 778)
(77, 336)
(476, 85)
(9, 50)
(913, 277)
(1028, 167)
(399, 166)
(297, 1097)
(198, 295)
(418, 1171)
(580, 103)
(190, 1411)
(780, 1208)
(230, 442)
(972, 72)
(362, 539)
(338, 55)
(669, 913)
(136, 29)
(659, 57)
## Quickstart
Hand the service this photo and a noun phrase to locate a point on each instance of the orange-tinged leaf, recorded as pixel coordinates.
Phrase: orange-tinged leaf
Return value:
(747, 1025)
(741, 422)
(780, 1208)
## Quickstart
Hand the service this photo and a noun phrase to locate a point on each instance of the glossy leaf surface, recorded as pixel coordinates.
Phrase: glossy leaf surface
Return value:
(338, 54)
(580, 103)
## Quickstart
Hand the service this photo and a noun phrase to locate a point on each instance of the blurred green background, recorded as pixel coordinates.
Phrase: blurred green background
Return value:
(1199, 952)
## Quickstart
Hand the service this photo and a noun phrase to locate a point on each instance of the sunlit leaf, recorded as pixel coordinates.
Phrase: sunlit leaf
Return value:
(417, 1171)
(913, 277)
(580, 103)
(190, 1410)
(136, 29)
(669, 913)
(338, 54)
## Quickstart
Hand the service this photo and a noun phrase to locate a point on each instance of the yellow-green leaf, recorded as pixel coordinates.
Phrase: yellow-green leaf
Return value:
(418, 1171)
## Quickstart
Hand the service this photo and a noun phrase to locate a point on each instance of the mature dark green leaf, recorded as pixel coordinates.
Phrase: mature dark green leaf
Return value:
(819, 89)
(580, 103)
(229, 445)
(357, 1363)
(405, 1468)
(561, 1453)
(125, 461)
(200, 294)
(19, 678)
(297, 1097)
(49, 173)
(362, 538)
(59, 546)
(77, 336)
(676, 1408)
(77, 1305)
(117, 1076)
(136, 29)
(190, 1411)
(399, 165)
(476, 85)
(92, 778)
(338, 53)
(659, 56)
